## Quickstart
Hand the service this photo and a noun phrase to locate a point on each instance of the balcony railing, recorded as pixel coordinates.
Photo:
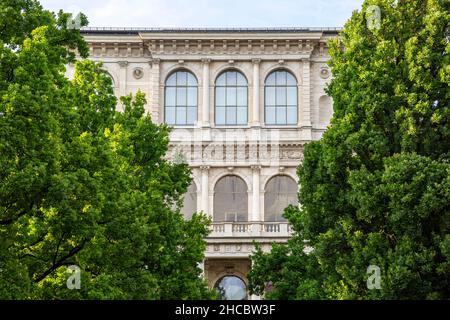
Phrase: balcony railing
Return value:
(250, 229)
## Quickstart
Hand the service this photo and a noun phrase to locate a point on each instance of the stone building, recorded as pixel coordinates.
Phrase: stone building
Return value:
(242, 103)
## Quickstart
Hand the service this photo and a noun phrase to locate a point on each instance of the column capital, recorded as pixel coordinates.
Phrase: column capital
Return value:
(204, 168)
(256, 167)
(256, 61)
(154, 61)
(123, 64)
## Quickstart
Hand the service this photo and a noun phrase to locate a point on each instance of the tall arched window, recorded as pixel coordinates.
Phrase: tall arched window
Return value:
(231, 99)
(181, 99)
(281, 191)
(230, 199)
(280, 98)
(190, 201)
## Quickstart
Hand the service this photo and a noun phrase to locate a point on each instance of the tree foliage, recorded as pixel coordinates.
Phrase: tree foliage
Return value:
(375, 190)
(80, 183)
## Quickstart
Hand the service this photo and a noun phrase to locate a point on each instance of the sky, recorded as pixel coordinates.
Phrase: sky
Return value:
(210, 13)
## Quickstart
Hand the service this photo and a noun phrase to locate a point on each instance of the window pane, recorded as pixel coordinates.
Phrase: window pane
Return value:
(270, 115)
(170, 115)
(220, 96)
(191, 115)
(281, 96)
(292, 115)
(292, 96)
(231, 96)
(181, 78)
(192, 96)
(270, 81)
(231, 115)
(171, 81)
(291, 79)
(231, 78)
(270, 96)
(281, 115)
(191, 81)
(281, 78)
(242, 115)
(220, 115)
(181, 96)
(181, 115)
(241, 81)
(241, 96)
(220, 81)
(170, 96)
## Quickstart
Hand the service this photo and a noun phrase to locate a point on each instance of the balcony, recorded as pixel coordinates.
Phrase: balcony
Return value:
(250, 230)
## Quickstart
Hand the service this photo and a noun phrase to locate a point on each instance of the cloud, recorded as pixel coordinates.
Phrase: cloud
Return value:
(211, 13)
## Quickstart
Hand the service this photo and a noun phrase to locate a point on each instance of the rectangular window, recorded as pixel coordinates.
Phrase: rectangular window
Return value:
(170, 97)
(270, 96)
(281, 115)
(291, 115)
(281, 96)
(270, 115)
(220, 115)
(231, 96)
(220, 96)
(170, 115)
(242, 115)
(181, 115)
(191, 115)
(241, 96)
(292, 96)
(181, 96)
(192, 97)
(231, 115)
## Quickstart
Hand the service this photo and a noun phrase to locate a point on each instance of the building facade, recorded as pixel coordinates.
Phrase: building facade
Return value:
(242, 104)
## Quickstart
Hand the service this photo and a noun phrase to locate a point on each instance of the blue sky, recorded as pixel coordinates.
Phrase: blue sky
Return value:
(210, 13)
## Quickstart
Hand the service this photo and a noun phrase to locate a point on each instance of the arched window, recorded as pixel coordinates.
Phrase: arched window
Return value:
(325, 110)
(181, 99)
(190, 201)
(230, 199)
(231, 288)
(281, 191)
(281, 98)
(231, 99)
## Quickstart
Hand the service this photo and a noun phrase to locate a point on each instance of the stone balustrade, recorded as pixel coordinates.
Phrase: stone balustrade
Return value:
(250, 229)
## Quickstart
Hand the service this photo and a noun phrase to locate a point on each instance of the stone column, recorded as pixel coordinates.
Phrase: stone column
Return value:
(123, 79)
(154, 99)
(256, 194)
(205, 189)
(205, 93)
(305, 117)
(256, 107)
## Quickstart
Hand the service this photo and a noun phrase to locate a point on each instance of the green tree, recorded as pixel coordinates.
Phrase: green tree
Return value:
(82, 184)
(375, 190)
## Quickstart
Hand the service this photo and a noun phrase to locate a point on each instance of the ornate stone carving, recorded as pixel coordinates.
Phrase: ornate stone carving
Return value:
(324, 73)
(138, 73)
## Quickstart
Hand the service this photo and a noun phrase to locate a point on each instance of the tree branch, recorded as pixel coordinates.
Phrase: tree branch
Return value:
(60, 262)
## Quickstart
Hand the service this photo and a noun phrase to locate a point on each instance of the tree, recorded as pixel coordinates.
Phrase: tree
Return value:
(375, 191)
(82, 184)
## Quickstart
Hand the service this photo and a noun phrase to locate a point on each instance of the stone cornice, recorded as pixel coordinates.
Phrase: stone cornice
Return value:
(232, 46)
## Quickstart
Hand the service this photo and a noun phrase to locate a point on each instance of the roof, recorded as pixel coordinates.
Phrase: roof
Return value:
(134, 30)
